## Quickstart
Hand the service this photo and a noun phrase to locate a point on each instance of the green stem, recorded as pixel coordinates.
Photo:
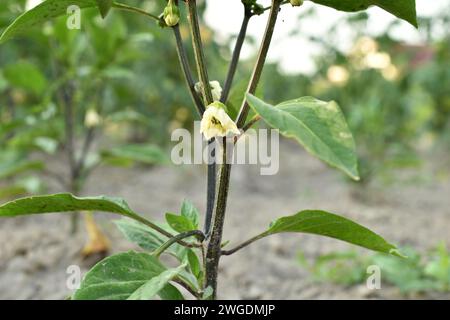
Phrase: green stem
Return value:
(235, 58)
(252, 121)
(162, 231)
(124, 7)
(262, 55)
(208, 98)
(191, 290)
(198, 51)
(182, 56)
(243, 245)
(269, 7)
(178, 238)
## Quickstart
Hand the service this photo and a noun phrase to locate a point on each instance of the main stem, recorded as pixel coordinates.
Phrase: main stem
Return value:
(214, 252)
(67, 101)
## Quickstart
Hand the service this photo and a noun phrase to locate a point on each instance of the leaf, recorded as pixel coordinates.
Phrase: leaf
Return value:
(189, 211)
(9, 169)
(194, 263)
(119, 276)
(403, 9)
(147, 154)
(43, 12)
(140, 234)
(27, 76)
(156, 284)
(179, 223)
(317, 125)
(65, 202)
(333, 226)
(171, 293)
(104, 6)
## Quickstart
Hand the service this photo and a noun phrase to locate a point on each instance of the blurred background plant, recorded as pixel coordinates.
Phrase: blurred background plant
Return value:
(396, 96)
(420, 273)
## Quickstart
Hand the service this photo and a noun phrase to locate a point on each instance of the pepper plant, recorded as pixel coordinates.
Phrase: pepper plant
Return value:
(318, 126)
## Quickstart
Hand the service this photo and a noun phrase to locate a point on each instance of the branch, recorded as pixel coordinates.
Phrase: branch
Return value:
(269, 7)
(198, 50)
(249, 124)
(178, 238)
(188, 288)
(208, 98)
(182, 56)
(262, 55)
(243, 245)
(162, 231)
(124, 7)
(235, 57)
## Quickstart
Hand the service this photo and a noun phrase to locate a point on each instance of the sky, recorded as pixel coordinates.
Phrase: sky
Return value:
(294, 53)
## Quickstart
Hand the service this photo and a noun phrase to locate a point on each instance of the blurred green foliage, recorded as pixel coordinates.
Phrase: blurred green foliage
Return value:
(415, 274)
(110, 69)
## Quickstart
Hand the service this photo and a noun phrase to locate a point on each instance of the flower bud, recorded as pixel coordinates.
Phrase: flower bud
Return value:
(171, 14)
(216, 122)
(296, 3)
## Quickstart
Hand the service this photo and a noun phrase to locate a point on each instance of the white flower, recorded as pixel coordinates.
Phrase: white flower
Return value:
(216, 122)
(92, 118)
(216, 89)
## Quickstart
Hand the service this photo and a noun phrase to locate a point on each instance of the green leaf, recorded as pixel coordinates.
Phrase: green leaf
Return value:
(403, 9)
(333, 226)
(317, 125)
(189, 211)
(104, 6)
(194, 263)
(179, 223)
(43, 12)
(65, 202)
(147, 154)
(27, 76)
(156, 284)
(145, 237)
(171, 293)
(118, 277)
(9, 169)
